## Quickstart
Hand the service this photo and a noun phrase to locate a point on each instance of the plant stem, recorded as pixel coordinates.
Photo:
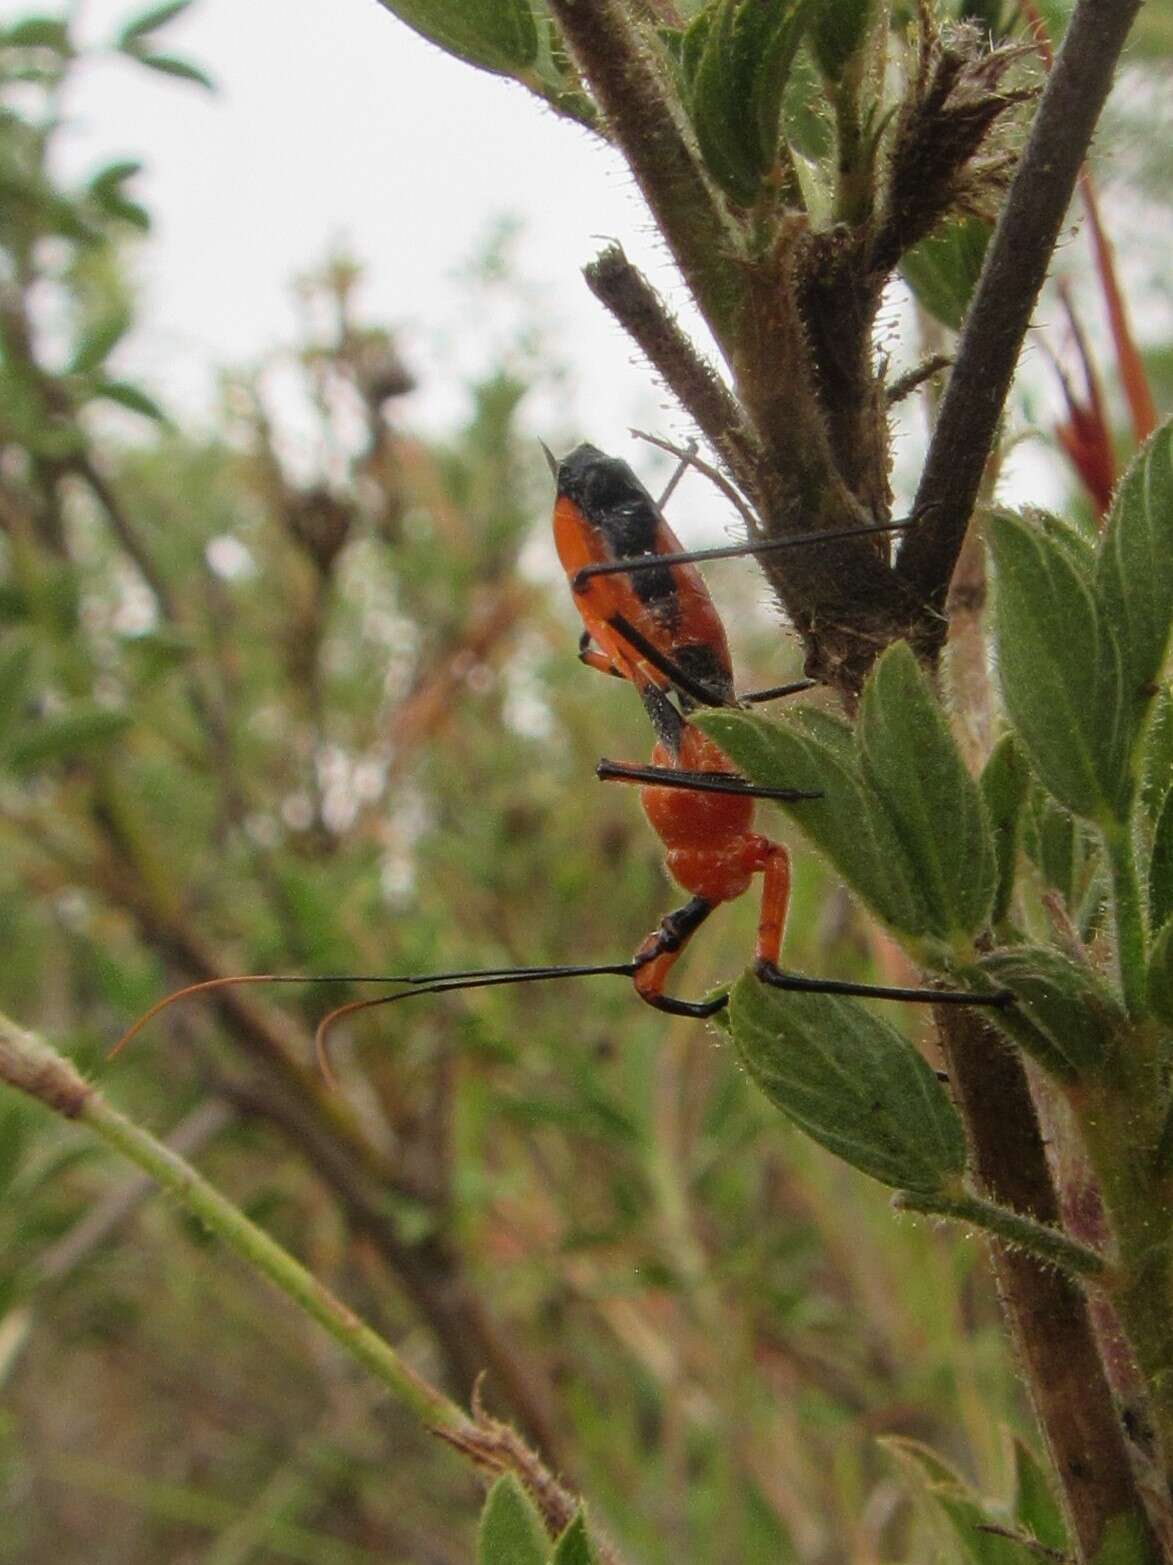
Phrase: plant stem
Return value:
(1126, 900)
(31, 1065)
(1121, 1121)
(1046, 1311)
(1015, 266)
(649, 127)
(1047, 1244)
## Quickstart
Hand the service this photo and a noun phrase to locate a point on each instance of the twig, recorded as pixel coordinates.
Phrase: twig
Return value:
(1015, 266)
(1046, 1310)
(649, 126)
(710, 472)
(625, 291)
(189, 1137)
(31, 1065)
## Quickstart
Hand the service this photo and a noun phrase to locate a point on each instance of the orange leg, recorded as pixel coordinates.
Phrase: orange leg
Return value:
(595, 657)
(660, 951)
(775, 902)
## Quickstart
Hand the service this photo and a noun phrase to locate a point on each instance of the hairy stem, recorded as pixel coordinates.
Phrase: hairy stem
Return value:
(1015, 266)
(1126, 900)
(648, 125)
(1045, 1310)
(1012, 1228)
(31, 1065)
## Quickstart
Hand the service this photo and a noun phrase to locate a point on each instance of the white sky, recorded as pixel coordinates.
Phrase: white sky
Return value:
(334, 122)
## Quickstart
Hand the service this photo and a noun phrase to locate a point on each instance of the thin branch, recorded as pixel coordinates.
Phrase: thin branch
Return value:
(648, 126)
(1045, 1310)
(625, 291)
(33, 1066)
(1016, 264)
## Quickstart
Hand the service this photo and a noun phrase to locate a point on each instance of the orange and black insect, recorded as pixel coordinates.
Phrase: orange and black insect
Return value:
(649, 619)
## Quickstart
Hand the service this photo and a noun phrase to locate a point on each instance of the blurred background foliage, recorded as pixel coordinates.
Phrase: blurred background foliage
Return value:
(296, 691)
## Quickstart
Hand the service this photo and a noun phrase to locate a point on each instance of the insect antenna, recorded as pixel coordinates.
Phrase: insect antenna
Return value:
(449, 983)
(732, 551)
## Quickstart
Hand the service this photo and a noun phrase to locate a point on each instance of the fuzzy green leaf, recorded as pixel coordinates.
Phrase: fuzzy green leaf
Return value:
(511, 1531)
(1035, 1508)
(574, 1546)
(1161, 866)
(497, 35)
(849, 824)
(1071, 1005)
(150, 22)
(1060, 670)
(737, 60)
(943, 269)
(1160, 975)
(851, 1082)
(1004, 783)
(1135, 569)
(909, 757)
(1063, 849)
(838, 34)
(66, 734)
(959, 1515)
(1156, 761)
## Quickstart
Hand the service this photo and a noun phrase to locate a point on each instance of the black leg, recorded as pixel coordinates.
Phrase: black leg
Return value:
(654, 959)
(798, 983)
(696, 782)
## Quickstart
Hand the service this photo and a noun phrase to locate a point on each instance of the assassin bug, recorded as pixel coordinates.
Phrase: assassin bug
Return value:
(649, 619)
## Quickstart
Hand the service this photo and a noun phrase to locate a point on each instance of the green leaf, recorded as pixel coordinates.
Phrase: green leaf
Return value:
(838, 34)
(849, 824)
(574, 1546)
(169, 65)
(114, 175)
(129, 396)
(150, 21)
(960, 1517)
(1060, 670)
(1070, 1005)
(1035, 1508)
(497, 35)
(1135, 569)
(1156, 762)
(737, 60)
(1160, 975)
(66, 734)
(511, 1531)
(1004, 783)
(913, 764)
(156, 653)
(98, 341)
(38, 32)
(943, 269)
(851, 1082)
(1161, 866)
(16, 661)
(1063, 849)
(106, 189)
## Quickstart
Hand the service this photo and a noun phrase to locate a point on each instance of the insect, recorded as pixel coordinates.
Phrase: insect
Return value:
(648, 618)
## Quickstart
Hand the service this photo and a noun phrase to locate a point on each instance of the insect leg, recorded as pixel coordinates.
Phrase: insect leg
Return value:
(594, 657)
(655, 958)
(696, 782)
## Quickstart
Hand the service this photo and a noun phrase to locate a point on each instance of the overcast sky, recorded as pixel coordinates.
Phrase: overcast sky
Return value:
(333, 123)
